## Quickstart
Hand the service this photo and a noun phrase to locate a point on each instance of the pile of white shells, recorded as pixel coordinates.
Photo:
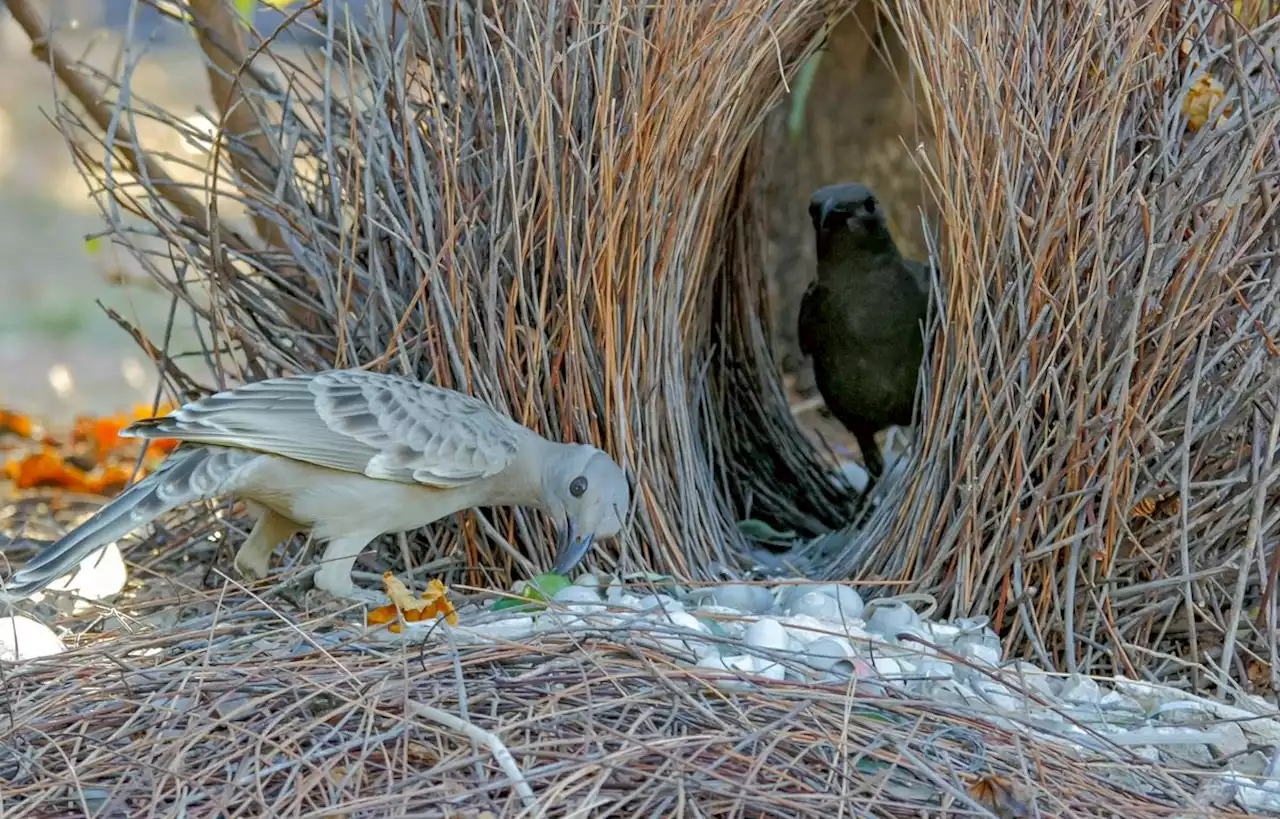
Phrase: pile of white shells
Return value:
(797, 630)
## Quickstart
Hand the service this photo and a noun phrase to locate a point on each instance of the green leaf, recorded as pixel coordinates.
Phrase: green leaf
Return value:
(800, 94)
(760, 531)
(546, 585)
(539, 589)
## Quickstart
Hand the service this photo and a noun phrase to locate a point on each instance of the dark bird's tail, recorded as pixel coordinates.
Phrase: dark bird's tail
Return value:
(190, 473)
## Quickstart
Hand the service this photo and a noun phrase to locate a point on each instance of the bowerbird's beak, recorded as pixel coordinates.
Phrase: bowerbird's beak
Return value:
(570, 549)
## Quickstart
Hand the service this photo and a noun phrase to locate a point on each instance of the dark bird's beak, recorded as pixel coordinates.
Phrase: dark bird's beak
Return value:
(570, 549)
(827, 206)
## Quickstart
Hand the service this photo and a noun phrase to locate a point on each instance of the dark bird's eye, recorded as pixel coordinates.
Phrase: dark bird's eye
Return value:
(870, 204)
(578, 486)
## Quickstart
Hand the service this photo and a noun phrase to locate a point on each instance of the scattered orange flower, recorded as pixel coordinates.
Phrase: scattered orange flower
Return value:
(43, 468)
(433, 603)
(17, 424)
(92, 459)
(103, 434)
(49, 469)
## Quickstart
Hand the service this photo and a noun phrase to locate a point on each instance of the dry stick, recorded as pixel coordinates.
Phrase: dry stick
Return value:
(476, 734)
(217, 29)
(1253, 544)
(140, 163)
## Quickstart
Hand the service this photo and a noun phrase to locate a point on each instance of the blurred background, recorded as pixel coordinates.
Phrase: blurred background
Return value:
(61, 355)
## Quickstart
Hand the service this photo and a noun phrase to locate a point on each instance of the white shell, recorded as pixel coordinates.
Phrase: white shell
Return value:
(893, 668)
(805, 629)
(579, 594)
(814, 604)
(742, 597)
(508, 628)
(855, 475)
(658, 601)
(982, 654)
(1081, 689)
(850, 602)
(887, 619)
(684, 620)
(825, 652)
(935, 670)
(22, 638)
(766, 633)
(774, 671)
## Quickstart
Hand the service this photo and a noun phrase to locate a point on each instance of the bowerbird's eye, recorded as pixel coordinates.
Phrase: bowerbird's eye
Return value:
(578, 486)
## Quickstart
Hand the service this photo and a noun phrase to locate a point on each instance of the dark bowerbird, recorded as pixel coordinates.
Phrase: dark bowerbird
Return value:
(862, 318)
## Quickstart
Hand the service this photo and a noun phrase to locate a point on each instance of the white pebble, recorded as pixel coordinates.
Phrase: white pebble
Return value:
(579, 594)
(589, 580)
(22, 638)
(766, 633)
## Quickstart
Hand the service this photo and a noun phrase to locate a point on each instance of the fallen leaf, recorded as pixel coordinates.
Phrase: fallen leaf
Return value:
(1204, 98)
(45, 468)
(433, 603)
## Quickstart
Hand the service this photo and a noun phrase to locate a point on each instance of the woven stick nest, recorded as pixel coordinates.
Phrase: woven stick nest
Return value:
(242, 710)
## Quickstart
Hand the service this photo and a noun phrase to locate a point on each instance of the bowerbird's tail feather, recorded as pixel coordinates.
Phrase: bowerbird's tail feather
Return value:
(188, 474)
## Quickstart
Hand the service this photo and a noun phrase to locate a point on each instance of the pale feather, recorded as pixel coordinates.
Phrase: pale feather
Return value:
(381, 426)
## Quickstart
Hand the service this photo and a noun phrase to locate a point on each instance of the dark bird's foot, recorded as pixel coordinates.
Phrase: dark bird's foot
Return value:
(872, 460)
